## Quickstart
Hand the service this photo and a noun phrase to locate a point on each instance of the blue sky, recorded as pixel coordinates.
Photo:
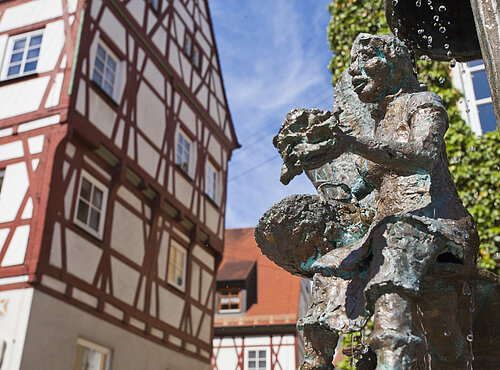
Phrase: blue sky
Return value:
(274, 56)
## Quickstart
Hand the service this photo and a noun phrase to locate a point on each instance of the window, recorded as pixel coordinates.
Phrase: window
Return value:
(23, 53)
(257, 359)
(478, 106)
(155, 4)
(2, 175)
(91, 204)
(188, 43)
(229, 300)
(177, 265)
(211, 182)
(91, 356)
(196, 57)
(184, 153)
(105, 72)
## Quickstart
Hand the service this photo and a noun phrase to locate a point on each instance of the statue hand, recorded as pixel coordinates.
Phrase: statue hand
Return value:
(319, 145)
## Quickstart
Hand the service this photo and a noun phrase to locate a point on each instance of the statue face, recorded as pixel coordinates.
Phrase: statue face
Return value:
(371, 76)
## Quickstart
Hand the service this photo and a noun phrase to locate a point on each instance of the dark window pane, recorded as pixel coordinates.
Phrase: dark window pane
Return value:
(16, 57)
(94, 219)
(251, 354)
(101, 52)
(262, 364)
(36, 40)
(111, 63)
(97, 77)
(487, 117)
(33, 53)
(252, 364)
(2, 175)
(86, 189)
(262, 354)
(108, 88)
(19, 44)
(480, 82)
(30, 66)
(99, 64)
(110, 76)
(83, 210)
(476, 63)
(97, 198)
(14, 70)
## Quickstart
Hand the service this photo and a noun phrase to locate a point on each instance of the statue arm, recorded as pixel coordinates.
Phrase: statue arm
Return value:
(422, 151)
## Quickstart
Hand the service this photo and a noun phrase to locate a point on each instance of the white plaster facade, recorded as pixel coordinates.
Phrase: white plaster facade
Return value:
(30, 323)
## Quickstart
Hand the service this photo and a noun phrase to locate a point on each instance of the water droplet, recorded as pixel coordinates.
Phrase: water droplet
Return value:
(448, 54)
(453, 63)
(441, 80)
(442, 8)
(365, 350)
(429, 39)
(418, 3)
(470, 337)
(396, 32)
(436, 18)
(394, 2)
(467, 110)
(466, 289)
(446, 46)
(447, 333)
(442, 29)
(420, 31)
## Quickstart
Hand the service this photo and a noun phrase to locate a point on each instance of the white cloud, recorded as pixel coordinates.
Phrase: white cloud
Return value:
(274, 56)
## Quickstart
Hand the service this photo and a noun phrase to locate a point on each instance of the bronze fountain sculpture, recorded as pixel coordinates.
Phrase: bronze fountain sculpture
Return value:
(387, 236)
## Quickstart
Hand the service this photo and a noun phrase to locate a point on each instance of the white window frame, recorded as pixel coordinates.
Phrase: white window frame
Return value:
(192, 153)
(462, 77)
(8, 54)
(103, 188)
(210, 182)
(86, 344)
(117, 86)
(257, 349)
(179, 248)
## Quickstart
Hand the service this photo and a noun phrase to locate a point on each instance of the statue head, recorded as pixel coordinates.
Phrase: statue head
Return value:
(380, 66)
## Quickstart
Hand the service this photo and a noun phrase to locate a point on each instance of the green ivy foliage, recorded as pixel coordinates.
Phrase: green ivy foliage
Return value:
(474, 160)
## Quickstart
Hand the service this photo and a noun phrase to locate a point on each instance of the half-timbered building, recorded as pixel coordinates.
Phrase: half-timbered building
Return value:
(115, 135)
(257, 306)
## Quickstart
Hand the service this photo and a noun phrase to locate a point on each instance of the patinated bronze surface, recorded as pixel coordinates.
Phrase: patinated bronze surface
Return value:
(387, 236)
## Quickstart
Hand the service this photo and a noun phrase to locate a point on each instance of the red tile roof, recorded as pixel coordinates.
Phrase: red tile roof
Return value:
(277, 290)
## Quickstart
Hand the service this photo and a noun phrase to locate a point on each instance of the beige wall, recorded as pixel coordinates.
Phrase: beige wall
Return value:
(55, 326)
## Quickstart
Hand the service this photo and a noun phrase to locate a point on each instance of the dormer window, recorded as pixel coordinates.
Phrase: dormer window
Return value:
(229, 300)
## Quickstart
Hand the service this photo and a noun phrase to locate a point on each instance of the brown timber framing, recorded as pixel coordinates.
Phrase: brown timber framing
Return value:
(99, 291)
(177, 79)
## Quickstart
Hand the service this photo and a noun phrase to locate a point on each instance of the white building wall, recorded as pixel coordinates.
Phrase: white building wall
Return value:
(54, 328)
(14, 314)
(280, 351)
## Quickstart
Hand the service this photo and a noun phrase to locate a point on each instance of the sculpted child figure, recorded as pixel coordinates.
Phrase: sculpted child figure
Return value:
(385, 269)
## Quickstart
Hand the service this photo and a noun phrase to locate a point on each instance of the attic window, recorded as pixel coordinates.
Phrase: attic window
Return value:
(229, 300)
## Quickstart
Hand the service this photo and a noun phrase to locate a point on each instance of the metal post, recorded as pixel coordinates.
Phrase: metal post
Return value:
(487, 19)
